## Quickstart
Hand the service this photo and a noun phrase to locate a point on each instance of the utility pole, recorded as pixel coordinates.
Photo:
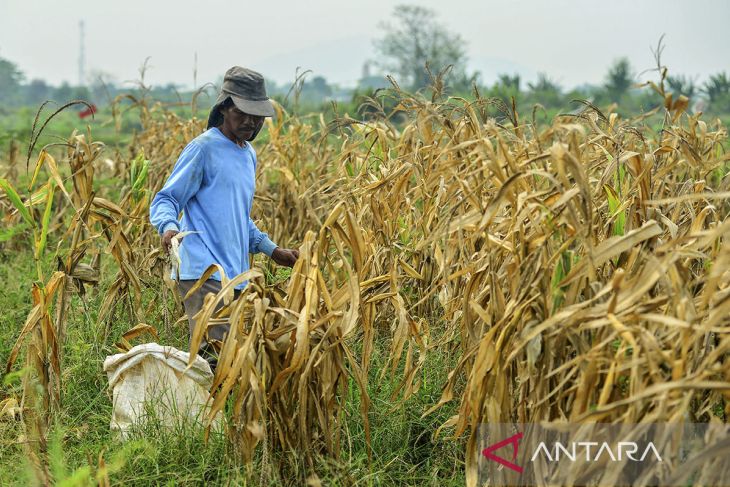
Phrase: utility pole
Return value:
(82, 55)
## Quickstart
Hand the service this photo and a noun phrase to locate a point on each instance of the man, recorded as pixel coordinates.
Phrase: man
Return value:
(213, 184)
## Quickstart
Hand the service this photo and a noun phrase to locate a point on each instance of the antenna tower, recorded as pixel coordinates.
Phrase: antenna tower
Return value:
(82, 55)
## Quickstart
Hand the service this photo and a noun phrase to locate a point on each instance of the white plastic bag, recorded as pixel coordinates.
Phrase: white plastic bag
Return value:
(152, 377)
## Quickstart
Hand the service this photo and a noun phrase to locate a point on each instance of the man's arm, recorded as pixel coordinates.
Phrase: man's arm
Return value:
(259, 241)
(183, 183)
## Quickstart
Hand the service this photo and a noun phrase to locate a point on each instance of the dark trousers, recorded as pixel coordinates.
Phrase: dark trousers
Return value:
(195, 302)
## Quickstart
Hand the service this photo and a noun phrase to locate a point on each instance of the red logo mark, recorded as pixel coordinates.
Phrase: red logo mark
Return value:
(514, 440)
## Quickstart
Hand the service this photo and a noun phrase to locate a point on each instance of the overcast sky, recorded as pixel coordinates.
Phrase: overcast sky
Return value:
(573, 41)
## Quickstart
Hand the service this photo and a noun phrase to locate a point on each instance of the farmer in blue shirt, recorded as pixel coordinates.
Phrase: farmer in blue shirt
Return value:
(213, 184)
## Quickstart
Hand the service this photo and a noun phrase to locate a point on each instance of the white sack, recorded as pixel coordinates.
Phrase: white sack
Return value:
(155, 374)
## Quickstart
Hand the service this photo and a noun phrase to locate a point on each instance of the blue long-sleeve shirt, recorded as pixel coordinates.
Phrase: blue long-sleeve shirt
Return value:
(213, 184)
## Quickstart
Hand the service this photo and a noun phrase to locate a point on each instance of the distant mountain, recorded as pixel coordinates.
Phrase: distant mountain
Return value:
(340, 61)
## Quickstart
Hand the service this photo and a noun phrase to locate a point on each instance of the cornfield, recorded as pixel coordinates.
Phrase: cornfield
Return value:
(578, 270)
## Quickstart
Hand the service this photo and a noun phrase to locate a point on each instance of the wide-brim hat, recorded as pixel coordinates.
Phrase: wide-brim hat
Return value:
(247, 90)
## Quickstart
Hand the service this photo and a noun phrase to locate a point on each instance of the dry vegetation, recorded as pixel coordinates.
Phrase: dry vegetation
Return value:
(578, 271)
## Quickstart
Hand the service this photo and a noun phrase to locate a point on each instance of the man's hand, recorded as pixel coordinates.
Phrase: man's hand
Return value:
(287, 257)
(167, 240)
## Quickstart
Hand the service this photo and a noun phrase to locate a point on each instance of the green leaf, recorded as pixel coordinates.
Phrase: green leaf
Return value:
(138, 175)
(141, 180)
(562, 268)
(46, 220)
(16, 201)
(37, 170)
(614, 203)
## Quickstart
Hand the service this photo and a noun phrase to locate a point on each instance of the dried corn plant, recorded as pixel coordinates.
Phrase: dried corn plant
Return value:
(580, 269)
(46, 322)
(588, 282)
(286, 360)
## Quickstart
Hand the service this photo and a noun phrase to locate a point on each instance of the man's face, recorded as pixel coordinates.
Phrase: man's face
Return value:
(241, 125)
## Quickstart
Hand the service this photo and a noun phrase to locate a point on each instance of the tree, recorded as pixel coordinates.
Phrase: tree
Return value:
(64, 93)
(619, 79)
(417, 39)
(545, 91)
(316, 89)
(544, 84)
(717, 87)
(10, 80)
(682, 85)
(37, 91)
(81, 93)
(506, 87)
(509, 82)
